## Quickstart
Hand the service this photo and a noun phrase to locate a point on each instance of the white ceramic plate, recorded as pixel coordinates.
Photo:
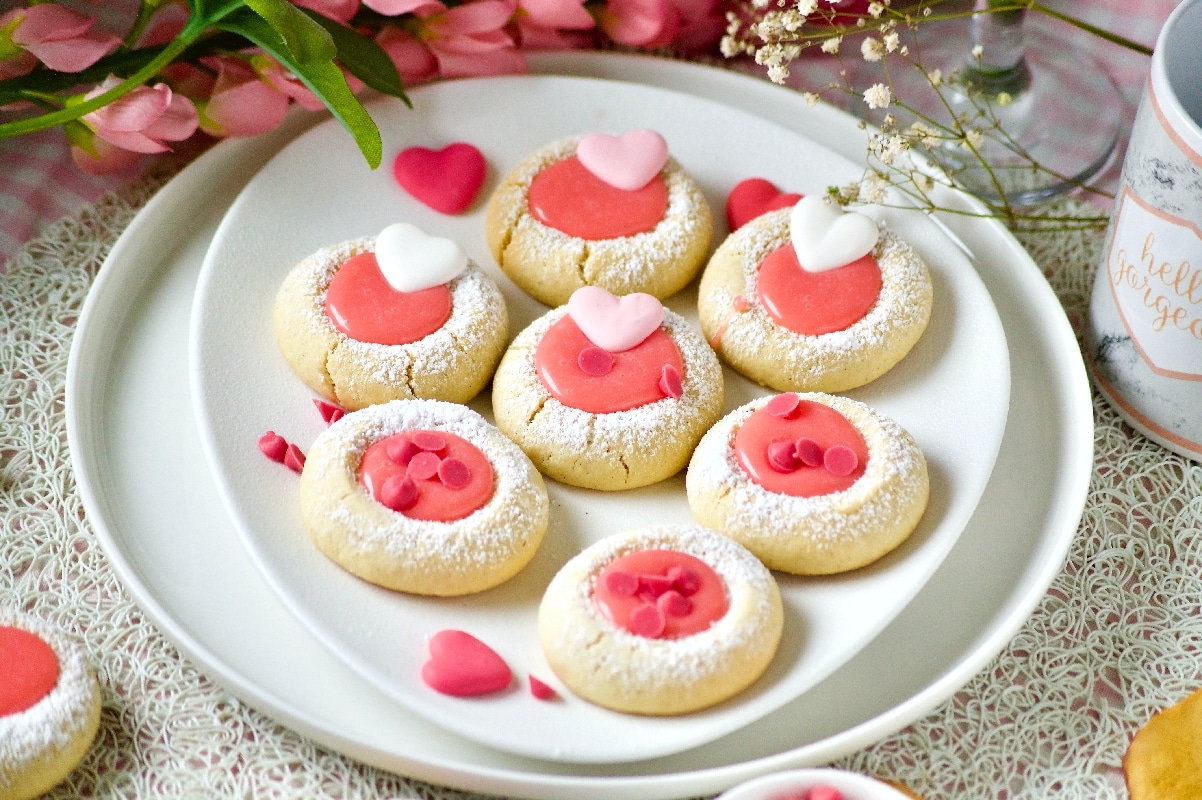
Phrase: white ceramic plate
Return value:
(951, 392)
(156, 512)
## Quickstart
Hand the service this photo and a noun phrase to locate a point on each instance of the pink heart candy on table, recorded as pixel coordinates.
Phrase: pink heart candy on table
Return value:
(463, 666)
(628, 161)
(825, 237)
(446, 180)
(615, 323)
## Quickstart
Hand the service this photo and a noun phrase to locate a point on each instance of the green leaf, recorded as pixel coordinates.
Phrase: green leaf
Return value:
(323, 78)
(363, 58)
(305, 40)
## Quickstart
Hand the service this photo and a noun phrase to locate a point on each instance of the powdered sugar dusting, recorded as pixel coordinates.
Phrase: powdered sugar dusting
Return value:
(893, 472)
(638, 662)
(52, 722)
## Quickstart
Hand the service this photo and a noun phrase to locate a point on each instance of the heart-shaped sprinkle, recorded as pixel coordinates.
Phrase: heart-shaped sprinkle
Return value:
(429, 440)
(809, 452)
(615, 323)
(540, 690)
(398, 493)
(401, 451)
(294, 459)
(674, 604)
(628, 161)
(648, 620)
(825, 237)
(274, 446)
(670, 383)
(595, 361)
(423, 466)
(454, 474)
(446, 180)
(463, 666)
(783, 405)
(411, 260)
(621, 583)
(754, 197)
(684, 580)
(330, 413)
(782, 456)
(654, 585)
(840, 460)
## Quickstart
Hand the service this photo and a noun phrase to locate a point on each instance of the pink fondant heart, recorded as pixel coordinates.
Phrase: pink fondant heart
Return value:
(463, 666)
(628, 161)
(446, 180)
(825, 237)
(615, 323)
(751, 198)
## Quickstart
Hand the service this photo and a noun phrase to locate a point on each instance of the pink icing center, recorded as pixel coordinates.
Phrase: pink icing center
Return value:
(361, 304)
(569, 198)
(463, 666)
(660, 594)
(633, 380)
(810, 451)
(28, 670)
(428, 475)
(814, 303)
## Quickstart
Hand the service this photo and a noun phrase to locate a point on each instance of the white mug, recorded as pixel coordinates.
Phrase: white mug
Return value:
(1144, 341)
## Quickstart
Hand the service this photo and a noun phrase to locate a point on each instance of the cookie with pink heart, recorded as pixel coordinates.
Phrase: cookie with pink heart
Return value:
(811, 297)
(608, 392)
(610, 210)
(402, 314)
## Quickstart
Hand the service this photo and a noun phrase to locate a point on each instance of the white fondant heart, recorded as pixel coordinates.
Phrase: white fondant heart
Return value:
(412, 260)
(824, 237)
(615, 323)
(628, 161)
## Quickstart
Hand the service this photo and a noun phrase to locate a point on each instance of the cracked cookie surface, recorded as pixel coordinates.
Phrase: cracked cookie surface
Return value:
(453, 363)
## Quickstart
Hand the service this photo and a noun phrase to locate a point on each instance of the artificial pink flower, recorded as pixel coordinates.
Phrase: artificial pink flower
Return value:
(102, 158)
(552, 24)
(395, 8)
(61, 38)
(339, 10)
(282, 79)
(142, 119)
(241, 103)
(413, 60)
(639, 23)
(702, 24)
(470, 40)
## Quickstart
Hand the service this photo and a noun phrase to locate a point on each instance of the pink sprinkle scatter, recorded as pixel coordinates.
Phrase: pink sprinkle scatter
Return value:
(670, 383)
(824, 793)
(783, 405)
(398, 493)
(330, 413)
(401, 451)
(424, 465)
(809, 452)
(674, 604)
(840, 460)
(272, 445)
(294, 459)
(540, 690)
(782, 456)
(595, 361)
(429, 441)
(648, 620)
(621, 583)
(454, 474)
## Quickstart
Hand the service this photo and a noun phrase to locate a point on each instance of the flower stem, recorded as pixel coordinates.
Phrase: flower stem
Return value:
(1096, 31)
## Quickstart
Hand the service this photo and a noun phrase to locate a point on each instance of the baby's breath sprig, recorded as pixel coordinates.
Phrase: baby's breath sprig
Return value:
(910, 151)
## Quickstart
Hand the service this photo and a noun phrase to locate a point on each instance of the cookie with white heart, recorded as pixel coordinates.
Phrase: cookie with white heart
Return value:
(813, 484)
(811, 298)
(400, 315)
(661, 620)
(599, 210)
(49, 705)
(424, 497)
(608, 392)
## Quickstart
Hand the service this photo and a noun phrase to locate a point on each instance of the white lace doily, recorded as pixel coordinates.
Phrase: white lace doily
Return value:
(1116, 638)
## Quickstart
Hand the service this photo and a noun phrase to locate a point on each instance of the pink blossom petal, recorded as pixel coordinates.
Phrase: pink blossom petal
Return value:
(536, 37)
(634, 22)
(394, 8)
(340, 10)
(471, 18)
(413, 60)
(74, 55)
(496, 62)
(246, 109)
(177, 123)
(134, 111)
(107, 160)
(50, 23)
(569, 14)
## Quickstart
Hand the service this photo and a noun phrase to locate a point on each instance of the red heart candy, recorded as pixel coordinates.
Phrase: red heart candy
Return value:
(446, 180)
(463, 666)
(751, 198)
